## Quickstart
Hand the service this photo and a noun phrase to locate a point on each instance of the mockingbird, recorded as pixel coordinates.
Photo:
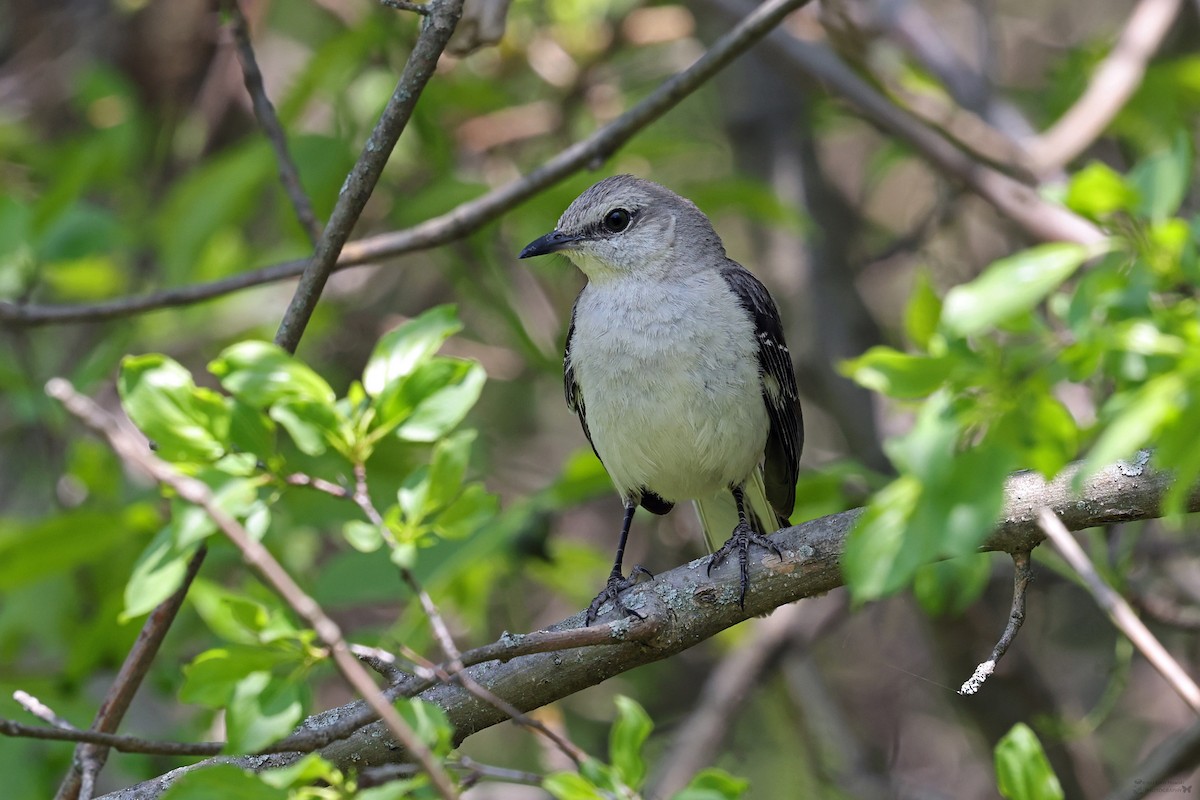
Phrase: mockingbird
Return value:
(676, 365)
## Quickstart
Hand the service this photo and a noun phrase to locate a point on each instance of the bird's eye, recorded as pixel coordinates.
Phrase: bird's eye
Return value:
(617, 220)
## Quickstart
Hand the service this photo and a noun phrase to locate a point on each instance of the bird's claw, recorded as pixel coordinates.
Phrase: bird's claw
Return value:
(741, 539)
(612, 591)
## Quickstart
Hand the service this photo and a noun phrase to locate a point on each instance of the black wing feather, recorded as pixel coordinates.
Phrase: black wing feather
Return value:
(648, 499)
(785, 439)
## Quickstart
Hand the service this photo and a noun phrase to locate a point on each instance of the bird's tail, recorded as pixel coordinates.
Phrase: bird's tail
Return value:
(718, 514)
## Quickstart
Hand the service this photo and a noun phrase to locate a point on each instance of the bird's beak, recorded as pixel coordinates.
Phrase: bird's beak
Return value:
(552, 242)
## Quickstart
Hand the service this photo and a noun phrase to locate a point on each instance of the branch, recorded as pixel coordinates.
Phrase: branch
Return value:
(289, 176)
(1021, 204)
(1110, 88)
(89, 758)
(687, 608)
(258, 558)
(1022, 575)
(360, 183)
(460, 221)
(1118, 610)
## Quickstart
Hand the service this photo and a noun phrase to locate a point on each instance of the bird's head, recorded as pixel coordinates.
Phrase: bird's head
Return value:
(625, 225)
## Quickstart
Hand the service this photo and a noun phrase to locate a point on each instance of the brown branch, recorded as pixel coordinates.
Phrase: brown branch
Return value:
(42, 711)
(687, 607)
(360, 183)
(1022, 575)
(460, 221)
(1119, 611)
(258, 558)
(90, 758)
(264, 111)
(1110, 88)
(106, 741)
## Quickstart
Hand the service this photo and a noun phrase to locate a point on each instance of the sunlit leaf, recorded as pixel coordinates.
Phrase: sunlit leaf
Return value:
(625, 741)
(1022, 770)
(263, 708)
(184, 423)
(402, 350)
(222, 780)
(262, 373)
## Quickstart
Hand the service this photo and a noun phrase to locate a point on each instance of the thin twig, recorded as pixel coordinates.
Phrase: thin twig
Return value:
(1110, 88)
(1118, 610)
(381, 661)
(106, 741)
(42, 711)
(465, 218)
(264, 111)
(1022, 575)
(89, 759)
(360, 183)
(263, 563)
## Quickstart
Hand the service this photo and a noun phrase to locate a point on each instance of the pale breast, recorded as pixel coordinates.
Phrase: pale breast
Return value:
(671, 388)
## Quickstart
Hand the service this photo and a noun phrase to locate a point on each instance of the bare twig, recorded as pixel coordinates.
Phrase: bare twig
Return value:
(1118, 610)
(125, 744)
(42, 711)
(90, 758)
(264, 111)
(1111, 86)
(381, 661)
(1022, 575)
(262, 562)
(360, 183)
(460, 221)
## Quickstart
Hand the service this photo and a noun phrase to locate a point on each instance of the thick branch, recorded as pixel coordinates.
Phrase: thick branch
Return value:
(692, 608)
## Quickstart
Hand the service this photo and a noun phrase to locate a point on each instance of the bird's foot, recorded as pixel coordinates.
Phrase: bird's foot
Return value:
(743, 536)
(612, 591)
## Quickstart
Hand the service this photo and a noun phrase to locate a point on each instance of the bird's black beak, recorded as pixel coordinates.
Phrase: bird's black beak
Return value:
(552, 242)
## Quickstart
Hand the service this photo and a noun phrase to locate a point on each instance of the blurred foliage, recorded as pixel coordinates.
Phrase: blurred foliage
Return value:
(121, 174)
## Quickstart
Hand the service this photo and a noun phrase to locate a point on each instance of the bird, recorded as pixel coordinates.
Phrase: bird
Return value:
(676, 365)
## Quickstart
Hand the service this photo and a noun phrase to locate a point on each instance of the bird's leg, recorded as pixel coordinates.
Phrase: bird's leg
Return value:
(741, 539)
(617, 582)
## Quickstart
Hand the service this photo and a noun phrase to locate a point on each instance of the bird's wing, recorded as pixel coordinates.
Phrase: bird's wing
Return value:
(785, 439)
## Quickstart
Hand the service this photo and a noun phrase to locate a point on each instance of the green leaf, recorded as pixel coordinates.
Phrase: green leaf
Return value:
(184, 422)
(213, 676)
(365, 537)
(473, 508)
(1097, 191)
(251, 431)
(263, 709)
(430, 723)
(897, 374)
(923, 311)
(222, 780)
(625, 741)
(261, 374)
(158, 572)
(1010, 286)
(237, 617)
(448, 467)
(1163, 178)
(401, 351)
(571, 786)
(948, 588)
(877, 541)
(313, 426)
(31, 551)
(713, 784)
(1022, 770)
(1135, 419)
(305, 772)
(438, 413)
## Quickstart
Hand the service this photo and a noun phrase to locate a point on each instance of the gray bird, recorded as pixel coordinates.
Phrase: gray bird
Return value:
(677, 368)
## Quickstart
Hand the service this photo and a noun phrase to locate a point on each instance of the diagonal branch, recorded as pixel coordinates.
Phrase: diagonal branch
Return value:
(436, 29)
(258, 558)
(463, 219)
(264, 111)
(688, 608)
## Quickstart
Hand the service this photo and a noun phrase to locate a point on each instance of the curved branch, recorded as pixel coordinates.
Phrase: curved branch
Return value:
(460, 221)
(691, 608)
